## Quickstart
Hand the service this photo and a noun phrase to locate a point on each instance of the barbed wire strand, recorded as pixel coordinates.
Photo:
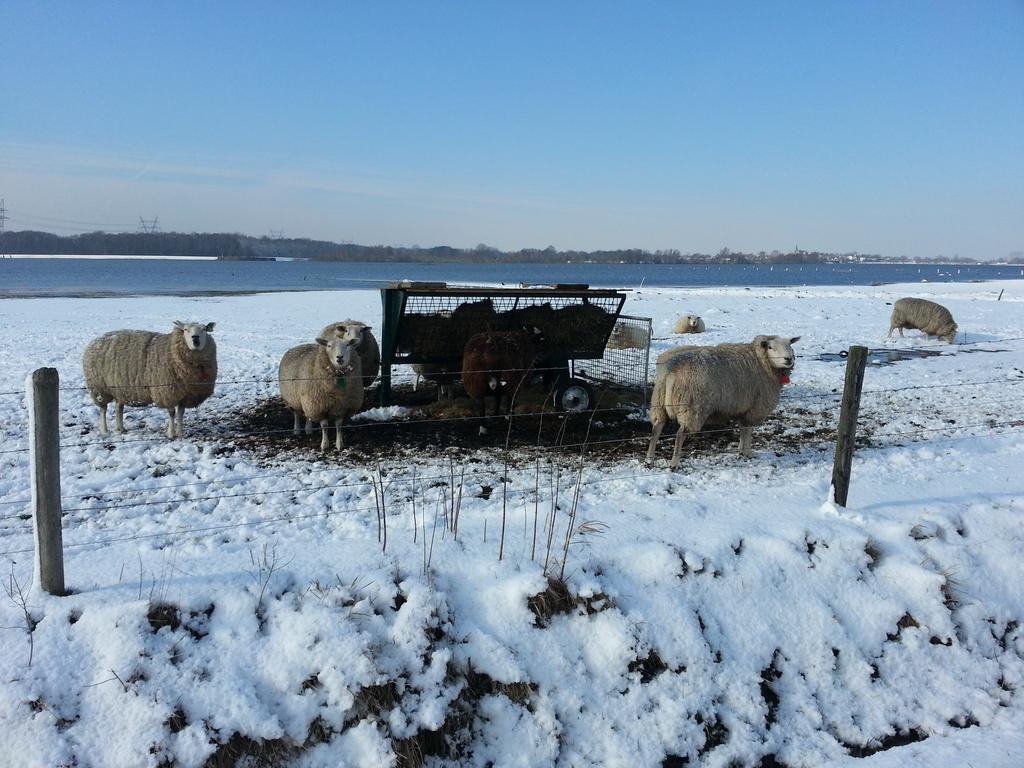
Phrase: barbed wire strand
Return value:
(401, 375)
(514, 493)
(463, 419)
(443, 477)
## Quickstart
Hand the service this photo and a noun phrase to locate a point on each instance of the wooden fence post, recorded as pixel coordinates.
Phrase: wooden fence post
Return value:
(847, 431)
(45, 470)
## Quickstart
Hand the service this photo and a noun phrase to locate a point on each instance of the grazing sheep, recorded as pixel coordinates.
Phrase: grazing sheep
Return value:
(174, 371)
(444, 376)
(322, 382)
(496, 364)
(369, 351)
(723, 382)
(926, 316)
(689, 324)
(626, 336)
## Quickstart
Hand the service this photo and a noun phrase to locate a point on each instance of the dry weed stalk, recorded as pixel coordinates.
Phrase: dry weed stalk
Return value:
(17, 596)
(383, 508)
(265, 565)
(536, 509)
(414, 524)
(570, 529)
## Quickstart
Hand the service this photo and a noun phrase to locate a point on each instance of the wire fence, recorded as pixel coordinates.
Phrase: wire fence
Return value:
(412, 482)
(238, 434)
(1001, 391)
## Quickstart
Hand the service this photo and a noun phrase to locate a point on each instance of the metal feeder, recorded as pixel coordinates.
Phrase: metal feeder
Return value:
(431, 323)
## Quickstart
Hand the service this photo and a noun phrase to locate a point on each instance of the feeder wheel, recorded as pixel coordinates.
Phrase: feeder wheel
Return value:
(574, 396)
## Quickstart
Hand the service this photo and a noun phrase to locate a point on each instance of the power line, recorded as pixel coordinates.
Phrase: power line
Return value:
(150, 226)
(3, 218)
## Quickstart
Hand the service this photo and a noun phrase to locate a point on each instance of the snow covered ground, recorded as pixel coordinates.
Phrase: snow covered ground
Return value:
(230, 604)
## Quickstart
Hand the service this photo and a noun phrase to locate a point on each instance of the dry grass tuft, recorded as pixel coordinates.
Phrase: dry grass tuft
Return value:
(372, 701)
(241, 750)
(557, 599)
(162, 615)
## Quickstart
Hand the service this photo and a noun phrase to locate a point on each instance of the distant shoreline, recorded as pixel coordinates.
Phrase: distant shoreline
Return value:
(709, 262)
(94, 256)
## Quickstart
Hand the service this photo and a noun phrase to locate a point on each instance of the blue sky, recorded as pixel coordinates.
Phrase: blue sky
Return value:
(894, 128)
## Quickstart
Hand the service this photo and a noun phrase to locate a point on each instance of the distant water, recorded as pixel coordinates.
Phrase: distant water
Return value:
(119, 277)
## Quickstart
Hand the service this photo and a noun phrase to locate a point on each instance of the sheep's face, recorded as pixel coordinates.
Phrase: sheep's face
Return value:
(195, 334)
(339, 351)
(779, 351)
(354, 333)
(693, 321)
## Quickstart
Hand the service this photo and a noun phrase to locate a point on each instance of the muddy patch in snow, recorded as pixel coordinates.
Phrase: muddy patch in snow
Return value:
(617, 431)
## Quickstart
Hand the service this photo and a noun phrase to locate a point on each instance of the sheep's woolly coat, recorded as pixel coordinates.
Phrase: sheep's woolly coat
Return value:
(719, 384)
(669, 360)
(496, 363)
(310, 384)
(368, 349)
(444, 376)
(926, 316)
(629, 337)
(145, 368)
(689, 324)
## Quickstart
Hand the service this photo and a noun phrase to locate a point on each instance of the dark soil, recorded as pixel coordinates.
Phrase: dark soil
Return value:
(618, 430)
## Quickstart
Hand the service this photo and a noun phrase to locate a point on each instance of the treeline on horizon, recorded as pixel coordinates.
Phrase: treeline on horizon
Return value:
(243, 247)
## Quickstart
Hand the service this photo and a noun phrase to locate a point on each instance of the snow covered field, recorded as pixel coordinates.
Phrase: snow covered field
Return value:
(229, 603)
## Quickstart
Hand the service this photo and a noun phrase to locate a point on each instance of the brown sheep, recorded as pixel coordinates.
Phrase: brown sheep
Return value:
(497, 364)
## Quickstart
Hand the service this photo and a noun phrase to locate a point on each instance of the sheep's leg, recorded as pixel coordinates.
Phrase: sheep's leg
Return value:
(746, 436)
(655, 434)
(297, 425)
(103, 418)
(324, 442)
(901, 331)
(339, 441)
(170, 423)
(179, 413)
(677, 447)
(118, 416)
(483, 415)
(309, 426)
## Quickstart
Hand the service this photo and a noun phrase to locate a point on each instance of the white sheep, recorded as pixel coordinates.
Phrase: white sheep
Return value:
(174, 371)
(444, 376)
(628, 336)
(366, 345)
(689, 324)
(723, 382)
(926, 316)
(322, 382)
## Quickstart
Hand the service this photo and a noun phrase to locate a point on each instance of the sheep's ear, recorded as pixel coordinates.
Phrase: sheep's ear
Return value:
(179, 325)
(322, 341)
(339, 330)
(209, 327)
(764, 343)
(794, 340)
